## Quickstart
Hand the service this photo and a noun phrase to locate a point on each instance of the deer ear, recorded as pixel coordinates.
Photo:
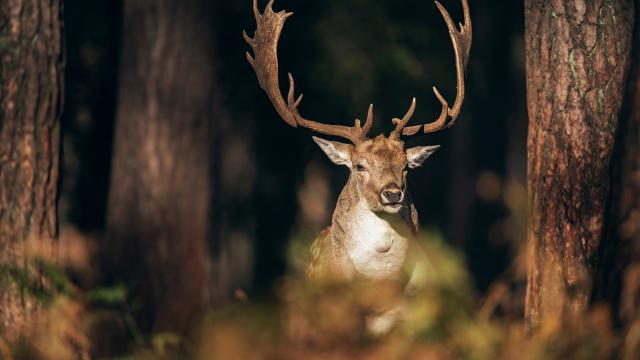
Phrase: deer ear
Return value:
(417, 155)
(338, 152)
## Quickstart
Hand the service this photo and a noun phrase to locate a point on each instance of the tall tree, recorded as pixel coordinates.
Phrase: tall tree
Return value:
(577, 58)
(31, 74)
(160, 202)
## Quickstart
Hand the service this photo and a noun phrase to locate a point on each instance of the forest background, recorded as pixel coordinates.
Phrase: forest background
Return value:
(177, 189)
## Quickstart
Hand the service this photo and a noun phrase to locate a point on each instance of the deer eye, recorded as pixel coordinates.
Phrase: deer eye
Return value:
(360, 167)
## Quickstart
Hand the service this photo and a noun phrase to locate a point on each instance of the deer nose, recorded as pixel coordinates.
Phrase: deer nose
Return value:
(391, 194)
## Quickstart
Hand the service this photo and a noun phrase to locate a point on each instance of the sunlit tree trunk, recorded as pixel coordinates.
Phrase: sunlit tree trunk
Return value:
(577, 58)
(31, 74)
(160, 202)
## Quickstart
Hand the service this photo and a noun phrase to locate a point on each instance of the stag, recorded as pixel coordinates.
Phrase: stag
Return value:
(374, 225)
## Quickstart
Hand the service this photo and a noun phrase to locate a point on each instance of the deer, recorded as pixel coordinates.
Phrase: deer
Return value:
(374, 226)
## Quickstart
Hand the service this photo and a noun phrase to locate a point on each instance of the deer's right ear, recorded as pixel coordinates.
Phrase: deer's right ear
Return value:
(338, 152)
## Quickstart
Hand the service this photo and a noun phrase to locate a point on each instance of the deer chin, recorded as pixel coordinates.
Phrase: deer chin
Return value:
(382, 208)
(391, 208)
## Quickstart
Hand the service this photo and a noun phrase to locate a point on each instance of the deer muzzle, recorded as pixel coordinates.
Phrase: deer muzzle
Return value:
(391, 195)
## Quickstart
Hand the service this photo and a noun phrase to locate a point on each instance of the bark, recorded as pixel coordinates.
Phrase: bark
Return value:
(30, 101)
(160, 202)
(577, 57)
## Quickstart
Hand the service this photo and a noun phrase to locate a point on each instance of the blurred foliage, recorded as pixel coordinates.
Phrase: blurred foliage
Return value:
(37, 279)
(445, 319)
(114, 296)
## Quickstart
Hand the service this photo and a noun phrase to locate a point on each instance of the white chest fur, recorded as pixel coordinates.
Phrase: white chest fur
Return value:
(368, 237)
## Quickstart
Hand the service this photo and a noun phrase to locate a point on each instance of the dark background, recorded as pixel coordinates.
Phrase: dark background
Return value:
(344, 54)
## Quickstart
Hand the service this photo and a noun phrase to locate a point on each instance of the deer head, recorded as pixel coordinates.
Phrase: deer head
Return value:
(378, 164)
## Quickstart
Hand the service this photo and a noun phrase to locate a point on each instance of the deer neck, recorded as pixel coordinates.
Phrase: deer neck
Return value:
(373, 244)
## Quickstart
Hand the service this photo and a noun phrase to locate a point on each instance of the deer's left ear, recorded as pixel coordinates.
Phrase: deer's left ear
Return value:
(417, 155)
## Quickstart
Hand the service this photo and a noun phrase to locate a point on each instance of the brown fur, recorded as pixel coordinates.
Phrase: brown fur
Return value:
(386, 161)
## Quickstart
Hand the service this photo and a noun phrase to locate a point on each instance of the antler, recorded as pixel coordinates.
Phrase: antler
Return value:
(265, 64)
(461, 41)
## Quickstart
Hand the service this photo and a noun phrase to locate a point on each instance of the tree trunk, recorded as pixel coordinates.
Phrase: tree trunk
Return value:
(577, 57)
(160, 202)
(30, 101)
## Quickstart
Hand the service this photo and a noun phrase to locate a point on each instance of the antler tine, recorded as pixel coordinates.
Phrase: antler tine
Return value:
(355, 134)
(401, 123)
(369, 123)
(256, 12)
(467, 32)
(269, 26)
(461, 41)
